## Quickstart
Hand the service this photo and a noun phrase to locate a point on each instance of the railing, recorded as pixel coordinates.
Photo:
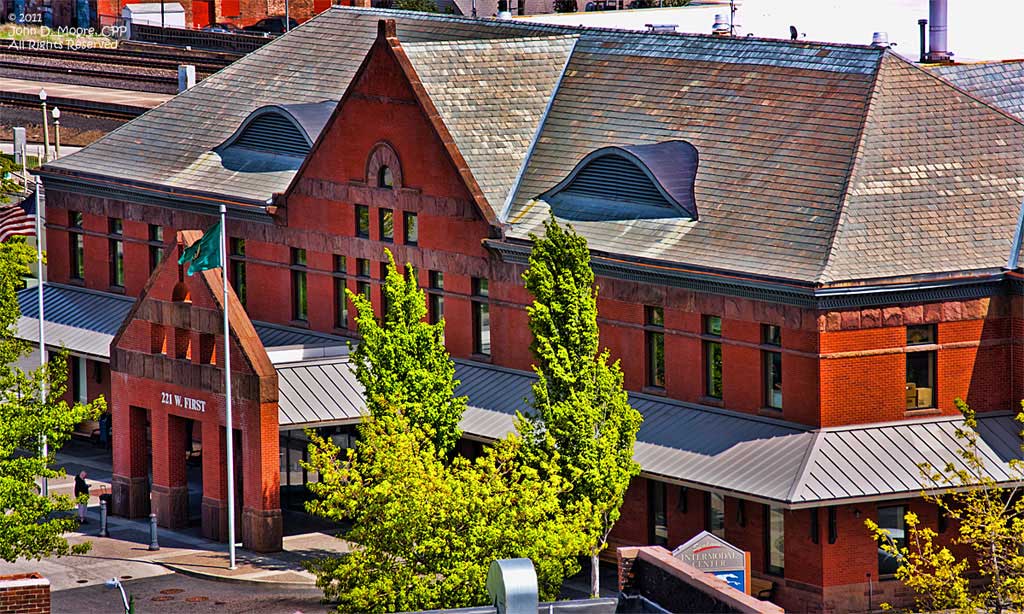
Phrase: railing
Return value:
(198, 39)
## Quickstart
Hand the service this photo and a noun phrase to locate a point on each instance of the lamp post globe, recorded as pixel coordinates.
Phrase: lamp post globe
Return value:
(46, 126)
(56, 132)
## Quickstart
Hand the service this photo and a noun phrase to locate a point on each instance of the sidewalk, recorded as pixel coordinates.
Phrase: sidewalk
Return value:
(126, 555)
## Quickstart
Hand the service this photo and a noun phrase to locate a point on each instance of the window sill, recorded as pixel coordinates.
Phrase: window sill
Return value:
(76, 281)
(116, 289)
(299, 323)
(713, 401)
(771, 412)
(923, 411)
(658, 391)
(480, 357)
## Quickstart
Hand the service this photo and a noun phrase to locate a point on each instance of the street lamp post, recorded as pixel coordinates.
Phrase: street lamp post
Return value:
(56, 132)
(46, 127)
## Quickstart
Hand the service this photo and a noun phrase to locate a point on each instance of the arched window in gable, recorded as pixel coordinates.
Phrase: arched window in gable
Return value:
(383, 169)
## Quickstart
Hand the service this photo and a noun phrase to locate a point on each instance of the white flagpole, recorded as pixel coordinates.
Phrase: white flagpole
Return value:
(42, 327)
(227, 388)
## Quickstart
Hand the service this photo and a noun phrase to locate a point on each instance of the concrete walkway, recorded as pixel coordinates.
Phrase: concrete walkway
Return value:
(125, 554)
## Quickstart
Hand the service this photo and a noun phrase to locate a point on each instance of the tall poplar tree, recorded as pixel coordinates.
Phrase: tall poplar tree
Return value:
(401, 360)
(582, 416)
(31, 525)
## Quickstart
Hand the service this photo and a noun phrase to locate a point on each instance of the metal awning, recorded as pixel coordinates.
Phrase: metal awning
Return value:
(85, 322)
(752, 457)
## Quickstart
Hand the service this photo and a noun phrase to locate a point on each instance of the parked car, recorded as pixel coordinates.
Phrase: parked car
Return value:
(222, 28)
(271, 25)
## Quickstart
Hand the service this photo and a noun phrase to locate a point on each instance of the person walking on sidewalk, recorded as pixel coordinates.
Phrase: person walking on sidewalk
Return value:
(81, 488)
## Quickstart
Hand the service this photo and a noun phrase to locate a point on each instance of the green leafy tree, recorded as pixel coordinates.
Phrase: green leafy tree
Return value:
(426, 530)
(31, 525)
(582, 420)
(402, 362)
(424, 6)
(989, 522)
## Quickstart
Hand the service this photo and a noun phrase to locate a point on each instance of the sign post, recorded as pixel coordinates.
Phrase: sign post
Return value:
(712, 554)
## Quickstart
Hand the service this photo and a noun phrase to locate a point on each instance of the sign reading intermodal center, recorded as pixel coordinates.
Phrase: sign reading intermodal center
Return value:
(715, 556)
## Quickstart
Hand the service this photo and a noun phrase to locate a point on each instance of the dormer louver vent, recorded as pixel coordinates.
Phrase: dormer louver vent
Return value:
(274, 133)
(280, 130)
(629, 183)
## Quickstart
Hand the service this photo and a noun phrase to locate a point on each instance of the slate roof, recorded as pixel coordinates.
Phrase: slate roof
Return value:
(491, 95)
(1001, 83)
(819, 163)
(746, 455)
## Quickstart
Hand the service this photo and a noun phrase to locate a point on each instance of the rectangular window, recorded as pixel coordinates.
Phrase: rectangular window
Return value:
(920, 389)
(436, 280)
(713, 357)
(714, 514)
(363, 221)
(300, 299)
(80, 381)
(815, 526)
(76, 246)
(891, 519)
(156, 246)
(481, 317)
(236, 274)
(655, 346)
(363, 287)
(340, 300)
(362, 267)
(387, 225)
(658, 521)
(776, 546)
(410, 226)
(683, 505)
(116, 252)
(771, 362)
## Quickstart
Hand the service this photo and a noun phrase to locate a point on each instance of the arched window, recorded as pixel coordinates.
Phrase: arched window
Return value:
(383, 169)
(385, 179)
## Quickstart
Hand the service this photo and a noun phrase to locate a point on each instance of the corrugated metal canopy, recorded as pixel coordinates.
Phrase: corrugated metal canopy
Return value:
(749, 456)
(85, 321)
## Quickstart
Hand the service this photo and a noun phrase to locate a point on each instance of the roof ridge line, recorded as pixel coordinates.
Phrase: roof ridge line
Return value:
(851, 171)
(514, 190)
(805, 464)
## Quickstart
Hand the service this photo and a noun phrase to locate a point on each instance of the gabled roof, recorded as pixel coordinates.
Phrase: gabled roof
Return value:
(821, 164)
(491, 96)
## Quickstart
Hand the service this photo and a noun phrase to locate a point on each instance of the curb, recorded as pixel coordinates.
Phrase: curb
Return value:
(203, 575)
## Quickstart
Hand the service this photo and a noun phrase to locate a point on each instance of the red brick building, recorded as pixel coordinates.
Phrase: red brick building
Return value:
(805, 253)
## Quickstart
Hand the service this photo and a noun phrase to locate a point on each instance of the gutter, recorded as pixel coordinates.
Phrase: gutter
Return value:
(205, 203)
(788, 292)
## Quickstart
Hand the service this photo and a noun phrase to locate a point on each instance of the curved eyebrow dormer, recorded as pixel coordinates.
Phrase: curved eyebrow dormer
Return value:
(285, 129)
(629, 183)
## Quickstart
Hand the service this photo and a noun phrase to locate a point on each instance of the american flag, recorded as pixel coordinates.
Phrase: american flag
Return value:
(18, 220)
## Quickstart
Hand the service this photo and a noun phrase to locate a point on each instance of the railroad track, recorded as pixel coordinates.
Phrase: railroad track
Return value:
(117, 57)
(95, 73)
(74, 106)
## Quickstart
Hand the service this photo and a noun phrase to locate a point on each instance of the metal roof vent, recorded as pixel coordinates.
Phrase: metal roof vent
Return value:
(880, 39)
(721, 26)
(283, 130)
(512, 586)
(629, 183)
(661, 28)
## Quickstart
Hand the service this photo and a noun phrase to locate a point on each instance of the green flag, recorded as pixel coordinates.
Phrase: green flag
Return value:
(204, 253)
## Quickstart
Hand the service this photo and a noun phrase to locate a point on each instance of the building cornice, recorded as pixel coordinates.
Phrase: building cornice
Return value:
(160, 196)
(784, 292)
